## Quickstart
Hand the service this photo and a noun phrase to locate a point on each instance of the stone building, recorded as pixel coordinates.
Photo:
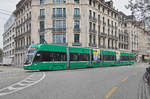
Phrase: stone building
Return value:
(123, 33)
(8, 41)
(83, 23)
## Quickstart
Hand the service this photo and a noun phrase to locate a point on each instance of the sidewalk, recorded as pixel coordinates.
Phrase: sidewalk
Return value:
(10, 68)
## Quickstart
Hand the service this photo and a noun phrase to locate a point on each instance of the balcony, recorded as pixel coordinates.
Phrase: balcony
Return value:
(76, 30)
(92, 31)
(59, 16)
(41, 17)
(22, 35)
(93, 19)
(110, 36)
(115, 37)
(22, 48)
(92, 45)
(76, 17)
(26, 20)
(103, 34)
(76, 44)
(103, 46)
(59, 30)
(104, 24)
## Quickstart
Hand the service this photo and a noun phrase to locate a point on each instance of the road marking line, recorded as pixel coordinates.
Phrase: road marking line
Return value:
(125, 79)
(111, 92)
(20, 88)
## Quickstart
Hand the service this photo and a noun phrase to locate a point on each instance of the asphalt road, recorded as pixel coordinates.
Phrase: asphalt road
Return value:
(125, 82)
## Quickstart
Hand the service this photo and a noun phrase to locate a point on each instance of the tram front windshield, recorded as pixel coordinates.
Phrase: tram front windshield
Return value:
(30, 55)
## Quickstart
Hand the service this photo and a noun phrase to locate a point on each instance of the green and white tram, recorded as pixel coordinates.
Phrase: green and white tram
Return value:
(60, 57)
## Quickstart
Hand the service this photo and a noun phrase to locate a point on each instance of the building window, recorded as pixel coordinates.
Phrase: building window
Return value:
(99, 7)
(99, 41)
(77, 1)
(59, 12)
(94, 39)
(103, 29)
(42, 39)
(59, 24)
(103, 41)
(99, 20)
(108, 22)
(76, 38)
(94, 3)
(59, 38)
(76, 11)
(42, 1)
(108, 12)
(112, 23)
(42, 26)
(94, 14)
(103, 20)
(90, 2)
(111, 14)
(94, 28)
(90, 13)
(90, 38)
(76, 24)
(99, 29)
(42, 12)
(90, 25)
(58, 1)
(103, 10)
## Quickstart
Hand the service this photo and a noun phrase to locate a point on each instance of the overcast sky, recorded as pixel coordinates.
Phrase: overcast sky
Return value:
(9, 5)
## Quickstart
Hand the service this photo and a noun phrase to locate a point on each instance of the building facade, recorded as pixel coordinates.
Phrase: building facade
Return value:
(128, 33)
(23, 30)
(8, 41)
(123, 33)
(83, 23)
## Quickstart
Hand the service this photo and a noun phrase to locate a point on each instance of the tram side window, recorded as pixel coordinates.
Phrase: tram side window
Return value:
(124, 58)
(79, 57)
(84, 57)
(37, 57)
(46, 56)
(58, 56)
(74, 57)
(109, 58)
(132, 58)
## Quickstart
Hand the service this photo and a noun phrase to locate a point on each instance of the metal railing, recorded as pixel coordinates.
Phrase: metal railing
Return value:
(76, 29)
(76, 16)
(59, 30)
(92, 18)
(42, 17)
(59, 16)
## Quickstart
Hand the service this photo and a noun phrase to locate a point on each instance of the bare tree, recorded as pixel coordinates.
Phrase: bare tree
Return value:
(140, 9)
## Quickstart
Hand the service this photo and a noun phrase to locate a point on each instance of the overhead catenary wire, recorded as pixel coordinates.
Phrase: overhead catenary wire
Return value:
(6, 11)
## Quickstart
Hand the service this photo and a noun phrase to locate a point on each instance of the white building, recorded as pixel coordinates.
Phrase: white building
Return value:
(8, 41)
